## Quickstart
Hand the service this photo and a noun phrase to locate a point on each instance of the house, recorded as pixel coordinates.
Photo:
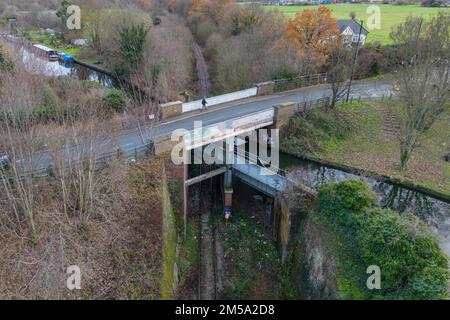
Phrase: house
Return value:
(350, 30)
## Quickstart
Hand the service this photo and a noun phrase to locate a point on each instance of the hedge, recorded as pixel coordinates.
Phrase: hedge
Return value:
(412, 264)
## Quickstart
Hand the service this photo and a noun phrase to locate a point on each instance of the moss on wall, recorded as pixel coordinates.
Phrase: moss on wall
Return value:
(180, 253)
(169, 282)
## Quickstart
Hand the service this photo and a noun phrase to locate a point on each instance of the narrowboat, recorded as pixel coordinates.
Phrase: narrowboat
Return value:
(66, 58)
(51, 54)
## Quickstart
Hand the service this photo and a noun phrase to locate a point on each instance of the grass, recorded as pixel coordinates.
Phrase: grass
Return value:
(391, 15)
(52, 42)
(368, 147)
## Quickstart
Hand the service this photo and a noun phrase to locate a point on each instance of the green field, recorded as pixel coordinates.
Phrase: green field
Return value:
(391, 15)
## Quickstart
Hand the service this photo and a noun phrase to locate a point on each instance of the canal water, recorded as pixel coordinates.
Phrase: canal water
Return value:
(435, 213)
(38, 64)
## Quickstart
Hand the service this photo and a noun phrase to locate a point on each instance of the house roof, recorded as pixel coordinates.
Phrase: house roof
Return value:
(354, 25)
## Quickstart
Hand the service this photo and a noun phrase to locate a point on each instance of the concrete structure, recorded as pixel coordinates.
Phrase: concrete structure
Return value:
(268, 181)
(265, 88)
(175, 108)
(224, 98)
(283, 113)
(171, 109)
(133, 142)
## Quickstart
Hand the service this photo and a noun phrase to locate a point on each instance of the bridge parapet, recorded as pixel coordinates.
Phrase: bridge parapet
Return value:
(283, 113)
(171, 109)
(265, 88)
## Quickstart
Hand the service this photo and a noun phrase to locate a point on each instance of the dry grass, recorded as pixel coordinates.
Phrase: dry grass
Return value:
(118, 249)
(370, 149)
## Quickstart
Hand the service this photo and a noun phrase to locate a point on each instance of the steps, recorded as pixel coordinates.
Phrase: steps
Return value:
(391, 124)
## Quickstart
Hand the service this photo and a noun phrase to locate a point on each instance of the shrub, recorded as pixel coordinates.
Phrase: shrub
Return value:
(5, 59)
(305, 134)
(114, 100)
(412, 264)
(433, 3)
(90, 84)
(345, 202)
(44, 113)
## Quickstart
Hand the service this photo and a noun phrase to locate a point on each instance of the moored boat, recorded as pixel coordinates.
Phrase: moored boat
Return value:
(66, 58)
(51, 54)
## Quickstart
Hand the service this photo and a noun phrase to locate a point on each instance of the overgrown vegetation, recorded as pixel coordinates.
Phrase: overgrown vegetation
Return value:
(115, 100)
(132, 45)
(411, 262)
(315, 130)
(369, 142)
(116, 242)
(6, 64)
(254, 268)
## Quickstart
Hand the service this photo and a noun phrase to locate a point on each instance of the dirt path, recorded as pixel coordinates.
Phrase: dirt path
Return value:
(202, 71)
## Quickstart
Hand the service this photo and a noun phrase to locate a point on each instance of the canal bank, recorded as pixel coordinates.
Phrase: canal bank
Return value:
(433, 211)
(364, 138)
(403, 183)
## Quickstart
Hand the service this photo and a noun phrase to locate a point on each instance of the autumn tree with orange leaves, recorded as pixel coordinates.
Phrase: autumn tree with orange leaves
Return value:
(312, 33)
(215, 9)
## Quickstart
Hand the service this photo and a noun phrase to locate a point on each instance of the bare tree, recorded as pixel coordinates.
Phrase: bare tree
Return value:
(19, 140)
(423, 78)
(338, 72)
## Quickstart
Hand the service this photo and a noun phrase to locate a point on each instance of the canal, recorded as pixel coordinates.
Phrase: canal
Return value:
(435, 213)
(38, 64)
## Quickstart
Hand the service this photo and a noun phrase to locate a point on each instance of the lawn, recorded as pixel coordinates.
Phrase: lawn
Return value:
(391, 15)
(370, 148)
(52, 42)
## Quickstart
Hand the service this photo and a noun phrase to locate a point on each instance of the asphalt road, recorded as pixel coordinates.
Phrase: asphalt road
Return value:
(131, 139)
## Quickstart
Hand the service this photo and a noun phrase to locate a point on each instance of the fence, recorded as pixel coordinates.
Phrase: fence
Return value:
(325, 102)
(132, 154)
(299, 82)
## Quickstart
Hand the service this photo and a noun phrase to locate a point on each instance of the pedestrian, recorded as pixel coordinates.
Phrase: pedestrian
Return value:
(204, 103)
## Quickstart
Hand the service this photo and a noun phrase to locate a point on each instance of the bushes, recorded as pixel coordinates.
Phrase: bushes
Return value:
(411, 262)
(5, 59)
(433, 3)
(312, 132)
(114, 100)
(344, 203)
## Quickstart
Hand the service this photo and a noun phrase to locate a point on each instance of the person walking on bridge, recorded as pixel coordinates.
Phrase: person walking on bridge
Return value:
(204, 103)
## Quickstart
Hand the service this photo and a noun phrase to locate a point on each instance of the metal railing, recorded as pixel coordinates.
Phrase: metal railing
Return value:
(253, 159)
(132, 154)
(299, 82)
